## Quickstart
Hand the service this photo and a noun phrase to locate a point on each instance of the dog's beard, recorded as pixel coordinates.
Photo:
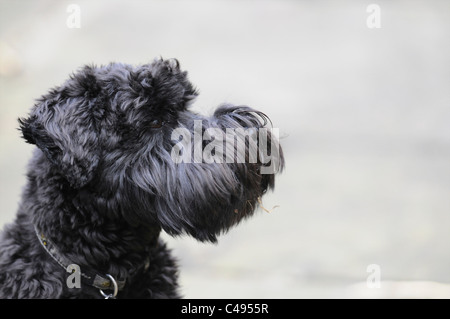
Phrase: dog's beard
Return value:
(200, 198)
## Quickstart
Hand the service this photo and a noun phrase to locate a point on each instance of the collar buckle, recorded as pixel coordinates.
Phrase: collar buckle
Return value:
(115, 288)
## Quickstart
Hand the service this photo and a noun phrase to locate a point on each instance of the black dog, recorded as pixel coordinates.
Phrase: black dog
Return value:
(119, 157)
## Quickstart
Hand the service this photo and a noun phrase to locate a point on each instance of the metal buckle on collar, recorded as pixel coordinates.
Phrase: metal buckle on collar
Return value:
(115, 291)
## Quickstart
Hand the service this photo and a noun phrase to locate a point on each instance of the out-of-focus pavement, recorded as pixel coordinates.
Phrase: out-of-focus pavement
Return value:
(364, 116)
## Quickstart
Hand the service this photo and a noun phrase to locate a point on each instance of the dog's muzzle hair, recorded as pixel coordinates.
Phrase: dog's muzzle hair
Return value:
(205, 197)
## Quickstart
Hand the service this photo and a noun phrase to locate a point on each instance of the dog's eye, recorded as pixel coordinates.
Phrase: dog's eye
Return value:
(156, 124)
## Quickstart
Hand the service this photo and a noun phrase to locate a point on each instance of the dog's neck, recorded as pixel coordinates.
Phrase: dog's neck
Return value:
(76, 223)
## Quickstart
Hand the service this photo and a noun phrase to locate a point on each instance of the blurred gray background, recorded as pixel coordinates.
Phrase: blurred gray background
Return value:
(364, 117)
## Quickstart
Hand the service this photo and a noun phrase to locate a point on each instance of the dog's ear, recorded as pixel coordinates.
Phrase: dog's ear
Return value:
(62, 125)
(170, 85)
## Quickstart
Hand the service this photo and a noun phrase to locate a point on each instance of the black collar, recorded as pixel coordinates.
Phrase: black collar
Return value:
(88, 276)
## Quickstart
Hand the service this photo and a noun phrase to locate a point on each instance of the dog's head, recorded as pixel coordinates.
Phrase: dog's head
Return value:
(122, 137)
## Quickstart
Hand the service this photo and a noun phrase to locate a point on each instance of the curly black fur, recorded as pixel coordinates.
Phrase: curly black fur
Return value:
(102, 183)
